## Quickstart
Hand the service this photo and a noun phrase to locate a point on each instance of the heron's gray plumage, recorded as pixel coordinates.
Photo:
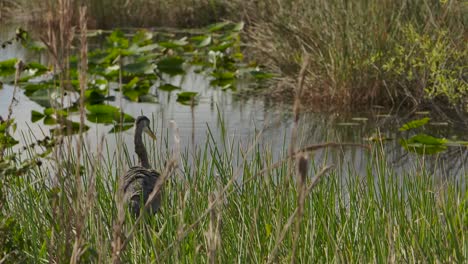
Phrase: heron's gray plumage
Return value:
(138, 185)
(139, 181)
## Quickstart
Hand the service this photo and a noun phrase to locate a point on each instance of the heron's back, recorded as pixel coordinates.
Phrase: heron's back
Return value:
(138, 183)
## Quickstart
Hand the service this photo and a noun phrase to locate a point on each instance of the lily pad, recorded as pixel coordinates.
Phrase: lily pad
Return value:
(139, 68)
(107, 114)
(168, 87)
(414, 124)
(36, 116)
(136, 88)
(43, 97)
(424, 144)
(174, 44)
(147, 48)
(148, 98)
(186, 98)
(7, 67)
(171, 65)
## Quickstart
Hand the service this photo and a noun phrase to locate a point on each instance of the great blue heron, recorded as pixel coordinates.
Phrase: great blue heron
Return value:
(139, 181)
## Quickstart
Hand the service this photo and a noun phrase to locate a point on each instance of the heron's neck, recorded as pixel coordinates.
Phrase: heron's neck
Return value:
(141, 150)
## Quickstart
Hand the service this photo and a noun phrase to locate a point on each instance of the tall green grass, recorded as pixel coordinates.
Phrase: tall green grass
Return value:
(365, 52)
(377, 217)
(227, 201)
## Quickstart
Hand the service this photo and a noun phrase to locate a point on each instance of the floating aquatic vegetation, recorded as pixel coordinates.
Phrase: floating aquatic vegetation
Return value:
(422, 143)
(138, 61)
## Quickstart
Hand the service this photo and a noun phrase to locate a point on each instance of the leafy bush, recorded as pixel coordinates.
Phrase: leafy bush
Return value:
(428, 66)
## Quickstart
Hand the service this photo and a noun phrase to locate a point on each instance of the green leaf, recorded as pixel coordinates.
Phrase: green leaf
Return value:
(7, 67)
(415, 124)
(261, 75)
(36, 116)
(94, 97)
(224, 75)
(100, 118)
(6, 140)
(147, 48)
(49, 120)
(128, 118)
(51, 111)
(36, 66)
(174, 44)
(141, 68)
(223, 46)
(117, 40)
(427, 140)
(186, 98)
(131, 84)
(171, 65)
(136, 88)
(424, 144)
(239, 26)
(223, 79)
(217, 26)
(147, 98)
(106, 114)
(100, 57)
(168, 87)
(205, 42)
(42, 96)
(4, 125)
(132, 95)
(33, 87)
(102, 109)
(32, 70)
(142, 37)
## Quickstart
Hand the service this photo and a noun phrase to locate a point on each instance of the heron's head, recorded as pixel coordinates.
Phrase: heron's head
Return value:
(142, 123)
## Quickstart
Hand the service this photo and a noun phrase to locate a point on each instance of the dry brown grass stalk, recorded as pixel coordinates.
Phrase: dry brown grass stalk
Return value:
(79, 202)
(297, 103)
(213, 235)
(302, 169)
(60, 34)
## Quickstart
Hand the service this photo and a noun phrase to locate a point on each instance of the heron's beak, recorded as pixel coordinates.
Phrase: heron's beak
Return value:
(150, 132)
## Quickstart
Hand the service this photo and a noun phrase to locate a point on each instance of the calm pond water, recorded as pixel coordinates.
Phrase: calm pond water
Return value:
(243, 117)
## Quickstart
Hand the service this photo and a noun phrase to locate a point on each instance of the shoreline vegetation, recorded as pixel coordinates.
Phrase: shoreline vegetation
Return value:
(362, 53)
(226, 201)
